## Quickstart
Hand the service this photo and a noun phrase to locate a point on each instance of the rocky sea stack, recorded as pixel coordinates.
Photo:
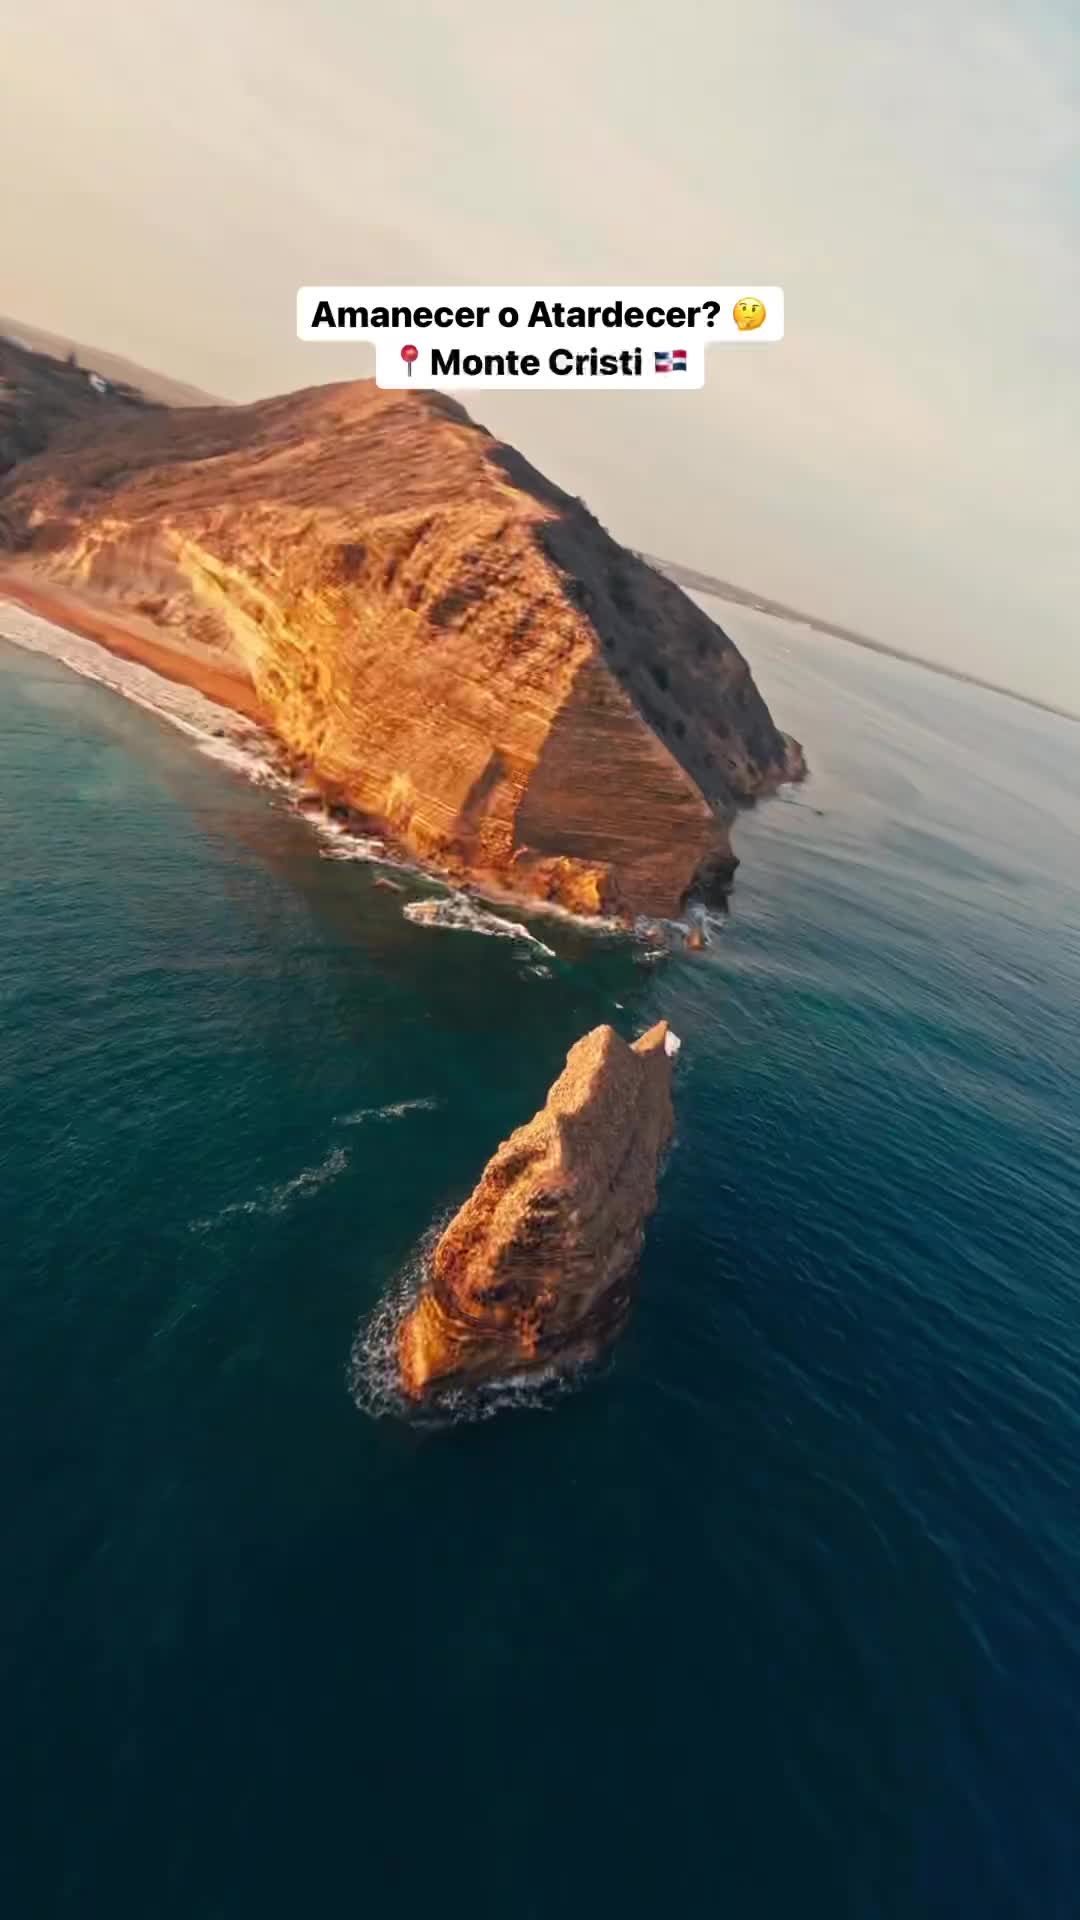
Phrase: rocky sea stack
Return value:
(533, 1273)
(445, 643)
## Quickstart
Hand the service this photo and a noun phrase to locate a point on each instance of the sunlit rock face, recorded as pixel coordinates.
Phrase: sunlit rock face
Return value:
(534, 1271)
(443, 640)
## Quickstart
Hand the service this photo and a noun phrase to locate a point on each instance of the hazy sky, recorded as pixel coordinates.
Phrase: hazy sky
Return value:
(907, 461)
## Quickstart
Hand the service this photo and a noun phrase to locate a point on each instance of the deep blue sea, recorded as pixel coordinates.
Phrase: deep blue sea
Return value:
(779, 1614)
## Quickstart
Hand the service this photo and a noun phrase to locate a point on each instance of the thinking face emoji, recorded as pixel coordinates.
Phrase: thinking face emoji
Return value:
(748, 314)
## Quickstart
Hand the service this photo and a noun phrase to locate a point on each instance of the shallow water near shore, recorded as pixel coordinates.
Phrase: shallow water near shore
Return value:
(775, 1613)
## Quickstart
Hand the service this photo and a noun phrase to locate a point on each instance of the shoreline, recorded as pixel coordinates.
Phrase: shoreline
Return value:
(692, 581)
(62, 610)
(218, 730)
(234, 739)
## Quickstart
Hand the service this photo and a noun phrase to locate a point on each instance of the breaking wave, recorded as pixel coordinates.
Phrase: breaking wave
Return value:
(372, 1373)
(458, 914)
(278, 1199)
(216, 731)
(247, 749)
(395, 1110)
(342, 843)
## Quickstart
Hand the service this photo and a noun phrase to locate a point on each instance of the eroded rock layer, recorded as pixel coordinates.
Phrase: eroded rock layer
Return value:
(533, 1272)
(442, 640)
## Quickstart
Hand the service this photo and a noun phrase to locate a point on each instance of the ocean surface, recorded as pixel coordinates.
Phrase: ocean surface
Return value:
(776, 1615)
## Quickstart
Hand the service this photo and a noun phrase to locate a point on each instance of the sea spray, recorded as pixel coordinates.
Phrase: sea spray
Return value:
(217, 731)
(245, 748)
(373, 1374)
(277, 1199)
(396, 1110)
(459, 914)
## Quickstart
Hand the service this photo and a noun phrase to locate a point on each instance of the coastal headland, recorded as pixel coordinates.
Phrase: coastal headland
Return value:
(442, 641)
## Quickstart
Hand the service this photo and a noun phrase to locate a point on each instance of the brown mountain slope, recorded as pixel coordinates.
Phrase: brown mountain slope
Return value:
(446, 642)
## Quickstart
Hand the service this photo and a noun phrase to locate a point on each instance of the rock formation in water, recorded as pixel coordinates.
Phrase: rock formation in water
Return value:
(445, 643)
(534, 1271)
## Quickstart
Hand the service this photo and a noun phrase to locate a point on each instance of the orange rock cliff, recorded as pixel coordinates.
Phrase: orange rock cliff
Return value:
(441, 639)
(534, 1270)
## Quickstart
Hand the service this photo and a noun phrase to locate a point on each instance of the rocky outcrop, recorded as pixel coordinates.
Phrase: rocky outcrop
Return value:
(534, 1271)
(445, 643)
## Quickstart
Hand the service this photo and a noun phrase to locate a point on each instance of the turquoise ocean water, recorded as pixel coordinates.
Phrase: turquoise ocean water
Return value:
(780, 1613)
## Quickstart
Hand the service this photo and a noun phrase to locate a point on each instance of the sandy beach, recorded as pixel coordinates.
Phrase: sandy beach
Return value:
(128, 640)
(181, 693)
(216, 728)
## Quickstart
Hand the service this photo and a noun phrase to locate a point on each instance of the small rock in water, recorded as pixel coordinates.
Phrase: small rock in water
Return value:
(533, 1273)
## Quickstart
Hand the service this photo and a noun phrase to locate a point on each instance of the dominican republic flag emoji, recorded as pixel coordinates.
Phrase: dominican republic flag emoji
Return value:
(671, 362)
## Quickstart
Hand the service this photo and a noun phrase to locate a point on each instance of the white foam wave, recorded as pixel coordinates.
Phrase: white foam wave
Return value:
(374, 1382)
(277, 1200)
(217, 731)
(355, 847)
(245, 748)
(458, 914)
(395, 1110)
(309, 1181)
(241, 756)
(341, 842)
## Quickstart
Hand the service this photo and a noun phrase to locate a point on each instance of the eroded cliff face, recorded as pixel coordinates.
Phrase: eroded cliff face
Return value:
(442, 640)
(534, 1270)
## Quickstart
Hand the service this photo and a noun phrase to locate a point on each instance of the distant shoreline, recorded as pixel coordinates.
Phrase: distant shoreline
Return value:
(696, 582)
